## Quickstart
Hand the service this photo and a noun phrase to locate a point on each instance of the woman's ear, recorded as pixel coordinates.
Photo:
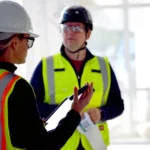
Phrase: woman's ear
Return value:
(15, 43)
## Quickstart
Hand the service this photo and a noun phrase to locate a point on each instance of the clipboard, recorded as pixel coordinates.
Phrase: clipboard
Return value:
(61, 111)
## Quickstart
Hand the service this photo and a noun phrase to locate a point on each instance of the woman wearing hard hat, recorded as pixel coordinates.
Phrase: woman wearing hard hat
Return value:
(20, 124)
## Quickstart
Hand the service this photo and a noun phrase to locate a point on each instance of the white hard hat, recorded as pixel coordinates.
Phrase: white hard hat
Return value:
(14, 19)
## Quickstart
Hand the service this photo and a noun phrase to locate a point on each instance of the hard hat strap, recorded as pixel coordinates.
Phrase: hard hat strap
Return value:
(82, 48)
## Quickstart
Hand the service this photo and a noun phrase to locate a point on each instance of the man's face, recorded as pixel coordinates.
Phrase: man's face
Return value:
(74, 35)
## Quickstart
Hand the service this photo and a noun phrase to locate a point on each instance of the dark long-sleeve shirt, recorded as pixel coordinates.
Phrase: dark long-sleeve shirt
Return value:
(25, 126)
(113, 108)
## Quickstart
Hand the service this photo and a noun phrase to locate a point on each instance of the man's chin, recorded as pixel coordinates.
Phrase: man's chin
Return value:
(72, 49)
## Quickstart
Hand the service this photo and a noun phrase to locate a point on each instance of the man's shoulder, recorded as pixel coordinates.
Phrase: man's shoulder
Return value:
(101, 57)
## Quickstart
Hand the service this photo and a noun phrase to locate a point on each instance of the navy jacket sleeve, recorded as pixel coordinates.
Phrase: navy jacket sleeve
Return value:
(115, 105)
(26, 128)
(38, 86)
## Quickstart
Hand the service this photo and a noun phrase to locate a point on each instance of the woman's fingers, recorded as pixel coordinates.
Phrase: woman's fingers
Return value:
(91, 88)
(75, 95)
(83, 95)
(85, 98)
(82, 102)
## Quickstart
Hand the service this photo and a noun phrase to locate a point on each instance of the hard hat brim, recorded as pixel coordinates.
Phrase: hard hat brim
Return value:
(18, 31)
(34, 35)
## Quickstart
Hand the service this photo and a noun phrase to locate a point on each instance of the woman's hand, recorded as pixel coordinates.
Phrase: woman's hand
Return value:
(80, 103)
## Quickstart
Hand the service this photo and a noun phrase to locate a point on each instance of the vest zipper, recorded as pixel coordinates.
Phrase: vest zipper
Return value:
(78, 77)
(81, 71)
(79, 80)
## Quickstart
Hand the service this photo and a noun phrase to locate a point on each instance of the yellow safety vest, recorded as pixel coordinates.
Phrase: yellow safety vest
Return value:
(7, 83)
(59, 80)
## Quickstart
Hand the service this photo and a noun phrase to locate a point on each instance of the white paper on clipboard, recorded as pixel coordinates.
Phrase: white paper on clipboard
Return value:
(53, 121)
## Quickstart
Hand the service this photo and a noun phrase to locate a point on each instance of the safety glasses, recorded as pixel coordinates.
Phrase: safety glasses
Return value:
(74, 28)
(30, 40)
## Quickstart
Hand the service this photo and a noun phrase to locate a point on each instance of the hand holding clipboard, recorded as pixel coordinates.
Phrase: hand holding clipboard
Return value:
(78, 101)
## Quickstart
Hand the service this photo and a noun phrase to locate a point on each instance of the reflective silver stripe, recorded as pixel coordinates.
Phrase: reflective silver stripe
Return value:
(104, 76)
(50, 73)
(3, 84)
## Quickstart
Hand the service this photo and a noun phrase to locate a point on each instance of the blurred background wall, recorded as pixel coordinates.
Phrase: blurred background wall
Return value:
(122, 33)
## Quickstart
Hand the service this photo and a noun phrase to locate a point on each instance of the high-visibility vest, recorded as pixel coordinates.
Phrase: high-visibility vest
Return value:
(59, 80)
(7, 83)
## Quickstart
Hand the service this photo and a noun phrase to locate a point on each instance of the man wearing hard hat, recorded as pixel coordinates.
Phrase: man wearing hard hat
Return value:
(75, 64)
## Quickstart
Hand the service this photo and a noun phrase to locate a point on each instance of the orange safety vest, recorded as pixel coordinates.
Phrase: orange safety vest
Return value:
(7, 83)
